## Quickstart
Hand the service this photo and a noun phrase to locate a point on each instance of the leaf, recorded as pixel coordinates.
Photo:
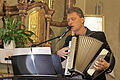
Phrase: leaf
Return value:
(3, 31)
(31, 33)
(30, 40)
(13, 32)
(18, 23)
(6, 22)
(10, 20)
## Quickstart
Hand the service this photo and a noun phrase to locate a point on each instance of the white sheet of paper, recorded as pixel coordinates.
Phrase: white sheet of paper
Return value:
(5, 53)
(33, 50)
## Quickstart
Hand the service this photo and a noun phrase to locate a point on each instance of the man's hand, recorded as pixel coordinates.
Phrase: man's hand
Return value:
(101, 64)
(63, 52)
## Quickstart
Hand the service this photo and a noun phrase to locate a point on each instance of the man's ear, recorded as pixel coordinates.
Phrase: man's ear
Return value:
(83, 20)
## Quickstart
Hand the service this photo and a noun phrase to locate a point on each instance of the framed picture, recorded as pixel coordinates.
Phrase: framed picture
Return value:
(95, 22)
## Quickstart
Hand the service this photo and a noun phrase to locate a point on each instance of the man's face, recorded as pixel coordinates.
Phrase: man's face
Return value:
(75, 21)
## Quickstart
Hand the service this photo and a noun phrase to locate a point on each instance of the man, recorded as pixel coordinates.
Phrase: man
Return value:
(75, 18)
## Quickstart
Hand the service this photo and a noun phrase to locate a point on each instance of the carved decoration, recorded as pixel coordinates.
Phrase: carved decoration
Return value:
(1, 5)
(22, 8)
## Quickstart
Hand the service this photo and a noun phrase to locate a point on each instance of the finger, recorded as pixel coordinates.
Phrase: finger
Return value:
(98, 65)
(66, 48)
(64, 57)
(105, 64)
(67, 53)
(102, 60)
(95, 67)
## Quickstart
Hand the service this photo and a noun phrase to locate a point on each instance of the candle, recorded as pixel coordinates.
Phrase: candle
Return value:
(49, 4)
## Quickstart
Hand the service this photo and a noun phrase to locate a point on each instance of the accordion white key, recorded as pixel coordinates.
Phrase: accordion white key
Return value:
(87, 47)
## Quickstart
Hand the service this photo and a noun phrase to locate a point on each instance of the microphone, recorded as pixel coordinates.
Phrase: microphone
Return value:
(67, 30)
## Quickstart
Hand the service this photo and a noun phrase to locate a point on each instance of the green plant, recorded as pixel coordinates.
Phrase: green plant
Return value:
(12, 31)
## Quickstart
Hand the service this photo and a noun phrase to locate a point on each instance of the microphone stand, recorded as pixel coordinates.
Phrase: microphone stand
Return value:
(7, 66)
(34, 45)
(60, 37)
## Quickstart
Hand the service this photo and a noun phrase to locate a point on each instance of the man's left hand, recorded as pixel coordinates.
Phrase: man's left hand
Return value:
(101, 64)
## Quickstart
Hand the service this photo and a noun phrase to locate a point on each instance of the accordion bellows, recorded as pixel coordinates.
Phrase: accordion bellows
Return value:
(87, 48)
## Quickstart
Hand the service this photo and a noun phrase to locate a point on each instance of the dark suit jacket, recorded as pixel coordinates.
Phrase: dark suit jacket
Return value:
(100, 36)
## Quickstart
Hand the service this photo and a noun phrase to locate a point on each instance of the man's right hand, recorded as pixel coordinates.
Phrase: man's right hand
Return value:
(63, 52)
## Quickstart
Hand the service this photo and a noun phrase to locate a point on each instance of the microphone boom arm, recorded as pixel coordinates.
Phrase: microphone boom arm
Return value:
(34, 45)
(60, 37)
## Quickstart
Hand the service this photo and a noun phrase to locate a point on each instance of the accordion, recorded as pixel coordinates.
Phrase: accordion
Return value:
(82, 54)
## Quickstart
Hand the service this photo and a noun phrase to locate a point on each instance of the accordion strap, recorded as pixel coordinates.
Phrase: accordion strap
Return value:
(92, 32)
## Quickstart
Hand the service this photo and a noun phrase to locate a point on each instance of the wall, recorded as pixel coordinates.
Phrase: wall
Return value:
(81, 4)
(112, 13)
(110, 9)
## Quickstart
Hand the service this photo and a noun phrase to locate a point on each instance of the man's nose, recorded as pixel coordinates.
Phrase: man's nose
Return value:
(69, 23)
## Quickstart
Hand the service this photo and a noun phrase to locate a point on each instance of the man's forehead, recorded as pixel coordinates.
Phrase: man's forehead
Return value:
(73, 14)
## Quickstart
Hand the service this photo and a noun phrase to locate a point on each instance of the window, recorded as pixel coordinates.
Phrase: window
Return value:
(94, 22)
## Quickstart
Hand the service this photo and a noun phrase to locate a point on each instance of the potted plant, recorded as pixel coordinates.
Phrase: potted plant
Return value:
(11, 32)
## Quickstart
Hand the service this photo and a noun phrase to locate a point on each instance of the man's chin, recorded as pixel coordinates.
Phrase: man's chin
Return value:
(74, 30)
